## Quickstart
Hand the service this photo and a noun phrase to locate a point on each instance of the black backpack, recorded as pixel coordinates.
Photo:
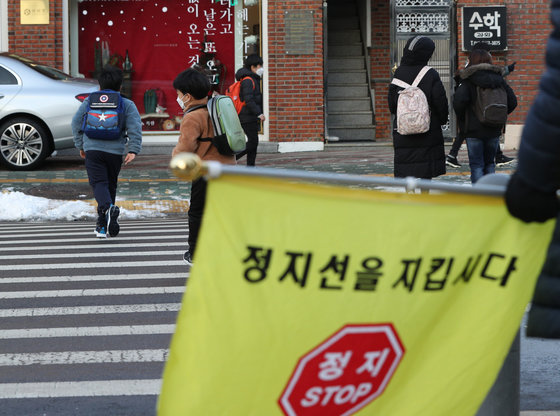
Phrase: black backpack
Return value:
(491, 106)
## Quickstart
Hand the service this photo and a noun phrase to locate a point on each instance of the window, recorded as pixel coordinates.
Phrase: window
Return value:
(6, 77)
(154, 41)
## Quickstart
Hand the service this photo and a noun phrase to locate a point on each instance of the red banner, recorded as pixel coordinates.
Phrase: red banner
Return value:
(162, 39)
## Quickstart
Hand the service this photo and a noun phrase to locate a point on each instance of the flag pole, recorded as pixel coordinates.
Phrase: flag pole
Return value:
(189, 166)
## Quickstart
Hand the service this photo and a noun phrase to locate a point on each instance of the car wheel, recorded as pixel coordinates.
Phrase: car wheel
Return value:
(24, 144)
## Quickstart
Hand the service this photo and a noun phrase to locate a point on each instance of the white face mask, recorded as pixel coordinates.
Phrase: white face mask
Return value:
(260, 72)
(181, 103)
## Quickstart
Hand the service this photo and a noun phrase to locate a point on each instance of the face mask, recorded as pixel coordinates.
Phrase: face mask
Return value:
(181, 103)
(260, 72)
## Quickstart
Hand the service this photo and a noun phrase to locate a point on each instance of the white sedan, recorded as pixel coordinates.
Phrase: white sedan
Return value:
(37, 103)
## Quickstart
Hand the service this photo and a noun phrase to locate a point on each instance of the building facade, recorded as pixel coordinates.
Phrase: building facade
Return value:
(328, 63)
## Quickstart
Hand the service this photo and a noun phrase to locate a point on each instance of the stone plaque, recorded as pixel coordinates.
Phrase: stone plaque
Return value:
(299, 32)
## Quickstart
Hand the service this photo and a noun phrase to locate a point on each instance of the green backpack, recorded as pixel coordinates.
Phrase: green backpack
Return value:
(229, 136)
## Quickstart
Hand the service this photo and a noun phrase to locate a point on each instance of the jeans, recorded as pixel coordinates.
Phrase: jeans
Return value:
(103, 172)
(458, 141)
(482, 153)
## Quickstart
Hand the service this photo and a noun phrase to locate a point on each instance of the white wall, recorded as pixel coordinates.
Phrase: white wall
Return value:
(3, 25)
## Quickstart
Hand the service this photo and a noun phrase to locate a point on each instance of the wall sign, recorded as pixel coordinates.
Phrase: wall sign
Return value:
(34, 12)
(299, 32)
(485, 24)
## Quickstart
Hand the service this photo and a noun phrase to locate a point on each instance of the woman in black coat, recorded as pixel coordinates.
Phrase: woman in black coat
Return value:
(531, 194)
(420, 155)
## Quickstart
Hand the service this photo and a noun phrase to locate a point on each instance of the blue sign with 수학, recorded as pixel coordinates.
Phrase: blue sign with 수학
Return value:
(485, 24)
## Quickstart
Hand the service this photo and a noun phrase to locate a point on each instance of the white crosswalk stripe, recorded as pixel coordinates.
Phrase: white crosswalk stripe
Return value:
(79, 389)
(84, 318)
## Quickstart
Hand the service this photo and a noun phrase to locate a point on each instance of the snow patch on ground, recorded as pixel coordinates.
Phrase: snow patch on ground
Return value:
(17, 206)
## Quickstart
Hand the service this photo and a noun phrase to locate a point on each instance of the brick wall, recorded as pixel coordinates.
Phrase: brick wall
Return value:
(40, 42)
(528, 27)
(296, 94)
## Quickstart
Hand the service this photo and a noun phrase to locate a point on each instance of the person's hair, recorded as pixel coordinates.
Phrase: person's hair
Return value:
(192, 82)
(482, 45)
(110, 78)
(253, 60)
(479, 56)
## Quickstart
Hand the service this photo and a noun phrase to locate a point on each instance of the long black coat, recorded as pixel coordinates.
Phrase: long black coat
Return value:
(251, 94)
(539, 168)
(420, 155)
(485, 76)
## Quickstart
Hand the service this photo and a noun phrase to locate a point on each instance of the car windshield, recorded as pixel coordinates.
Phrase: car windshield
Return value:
(47, 71)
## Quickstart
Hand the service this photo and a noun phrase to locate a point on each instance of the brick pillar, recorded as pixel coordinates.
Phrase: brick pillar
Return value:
(295, 81)
(381, 65)
(40, 42)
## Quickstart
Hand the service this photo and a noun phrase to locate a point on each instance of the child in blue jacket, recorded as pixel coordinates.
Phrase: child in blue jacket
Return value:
(104, 158)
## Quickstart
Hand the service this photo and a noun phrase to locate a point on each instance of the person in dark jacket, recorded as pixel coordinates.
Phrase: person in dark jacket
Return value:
(420, 155)
(451, 158)
(531, 193)
(482, 140)
(251, 114)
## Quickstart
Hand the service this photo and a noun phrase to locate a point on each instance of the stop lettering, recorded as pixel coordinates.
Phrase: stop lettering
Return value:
(344, 373)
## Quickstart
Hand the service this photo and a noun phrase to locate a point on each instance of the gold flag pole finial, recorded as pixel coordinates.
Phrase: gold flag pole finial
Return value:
(188, 166)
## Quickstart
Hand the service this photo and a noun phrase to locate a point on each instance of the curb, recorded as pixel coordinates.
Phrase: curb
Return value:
(167, 206)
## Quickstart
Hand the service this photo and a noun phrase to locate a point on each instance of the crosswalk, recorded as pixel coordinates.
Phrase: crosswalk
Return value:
(85, 324)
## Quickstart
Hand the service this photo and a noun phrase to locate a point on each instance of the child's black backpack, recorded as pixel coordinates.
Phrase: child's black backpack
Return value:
(104, 116)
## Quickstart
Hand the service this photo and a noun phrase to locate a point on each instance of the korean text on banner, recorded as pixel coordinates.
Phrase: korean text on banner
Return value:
(313, 300)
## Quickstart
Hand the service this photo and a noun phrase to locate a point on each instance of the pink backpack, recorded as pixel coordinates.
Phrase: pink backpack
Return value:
(413, 111)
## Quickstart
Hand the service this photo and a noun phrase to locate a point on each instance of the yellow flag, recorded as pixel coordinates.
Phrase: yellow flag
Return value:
(308, 300)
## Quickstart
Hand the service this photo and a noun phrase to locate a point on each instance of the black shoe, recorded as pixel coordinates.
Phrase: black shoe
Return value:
(187, 258)
(502, 160)
(452, 161)
(113, 226)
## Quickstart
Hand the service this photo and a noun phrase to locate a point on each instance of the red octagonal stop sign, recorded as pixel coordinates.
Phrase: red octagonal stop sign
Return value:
(344, 373)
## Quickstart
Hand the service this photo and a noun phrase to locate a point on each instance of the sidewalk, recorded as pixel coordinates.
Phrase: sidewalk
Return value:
(149, 184)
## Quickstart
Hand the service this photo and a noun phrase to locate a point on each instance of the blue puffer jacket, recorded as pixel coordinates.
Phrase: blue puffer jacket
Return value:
(530, 193)
(132, 132)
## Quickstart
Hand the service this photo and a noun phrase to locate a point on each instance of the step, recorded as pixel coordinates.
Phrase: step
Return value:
(341, 3)
(344, 23)
(341, 10)
(347, 91)
(352, 133)
(343, 37)
(346, 105)
(347, 77)
(343, 50)
(350, 63)
(358, 118)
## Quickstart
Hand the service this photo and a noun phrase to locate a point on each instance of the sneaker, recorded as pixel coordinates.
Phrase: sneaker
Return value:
(452, 161)
(112, 221)
(100, 224)
(187, 258)
(101, 233)
(502, 160)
